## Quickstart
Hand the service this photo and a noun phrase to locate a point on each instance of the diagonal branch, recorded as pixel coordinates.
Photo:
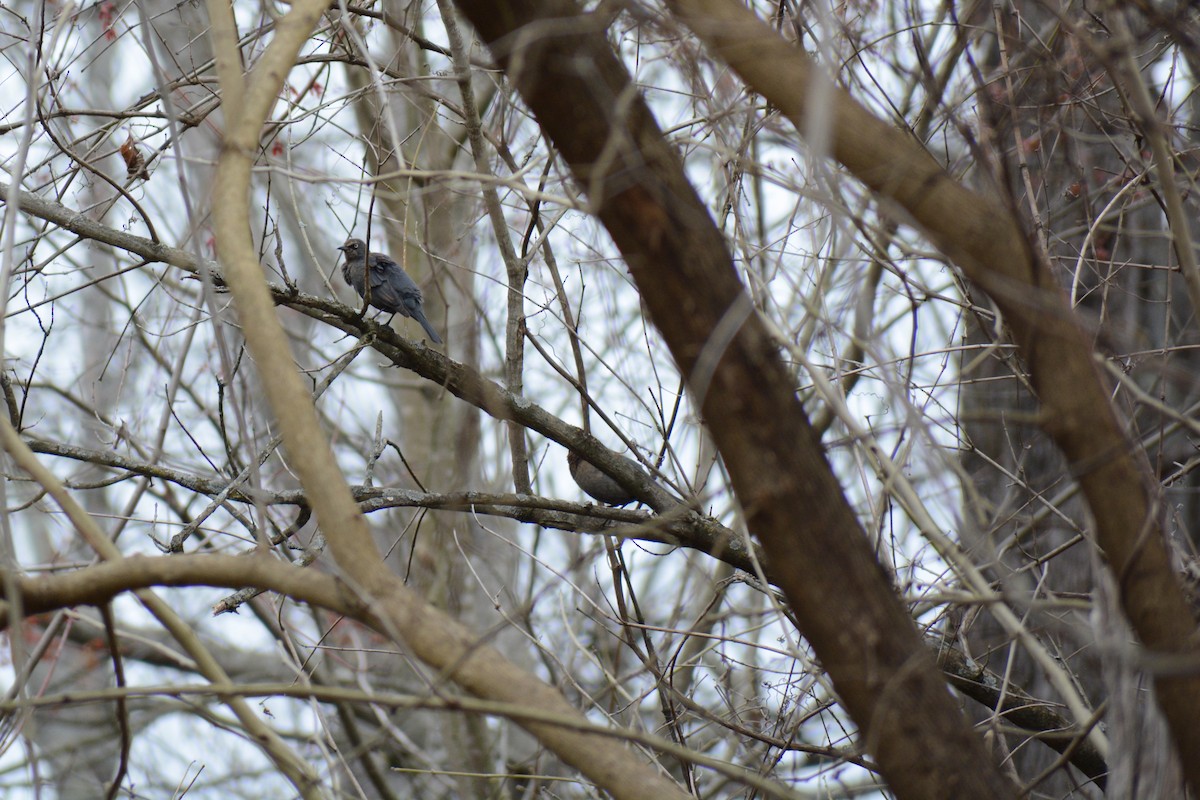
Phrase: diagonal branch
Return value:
(434, 636)
(987, 243)
(557, 56)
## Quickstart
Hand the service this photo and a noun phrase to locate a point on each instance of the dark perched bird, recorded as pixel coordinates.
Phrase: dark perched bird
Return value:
(596, 484)
(391, 288)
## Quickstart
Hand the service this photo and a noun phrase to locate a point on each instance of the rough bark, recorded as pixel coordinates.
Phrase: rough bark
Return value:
(584, 99)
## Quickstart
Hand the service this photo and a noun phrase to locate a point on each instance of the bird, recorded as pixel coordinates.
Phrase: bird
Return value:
(391, 288)
(596, 484)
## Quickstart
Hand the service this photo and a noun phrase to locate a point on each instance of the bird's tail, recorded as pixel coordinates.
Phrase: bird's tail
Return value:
(419, 316)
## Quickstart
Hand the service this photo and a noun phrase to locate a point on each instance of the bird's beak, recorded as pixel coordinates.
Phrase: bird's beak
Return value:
(344, 247)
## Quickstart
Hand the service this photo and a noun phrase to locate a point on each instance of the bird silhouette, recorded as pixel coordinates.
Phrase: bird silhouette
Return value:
(391, 288)
(596, 484)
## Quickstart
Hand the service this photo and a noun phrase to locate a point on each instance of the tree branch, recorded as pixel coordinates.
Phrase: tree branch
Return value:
(985, 240)
(559, 59)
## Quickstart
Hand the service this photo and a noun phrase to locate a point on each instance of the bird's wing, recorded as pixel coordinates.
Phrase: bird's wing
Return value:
(380, 267)
(391, 282)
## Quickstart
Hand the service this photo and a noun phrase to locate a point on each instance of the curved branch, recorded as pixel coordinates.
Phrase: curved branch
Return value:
(559, 59)
(100, 583)
(433, 635)
(986, 241)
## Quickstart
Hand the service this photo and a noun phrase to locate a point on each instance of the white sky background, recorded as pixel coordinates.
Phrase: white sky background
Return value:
(807, 267)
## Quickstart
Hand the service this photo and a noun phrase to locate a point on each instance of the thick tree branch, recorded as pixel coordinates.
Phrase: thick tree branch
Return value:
(434, 636)
(1017, 707)
(559, 59)
(298, 771)
(100, 583)
(987, 243)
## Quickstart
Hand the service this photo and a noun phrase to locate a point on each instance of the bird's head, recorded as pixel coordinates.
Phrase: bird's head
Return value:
(354, 248)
